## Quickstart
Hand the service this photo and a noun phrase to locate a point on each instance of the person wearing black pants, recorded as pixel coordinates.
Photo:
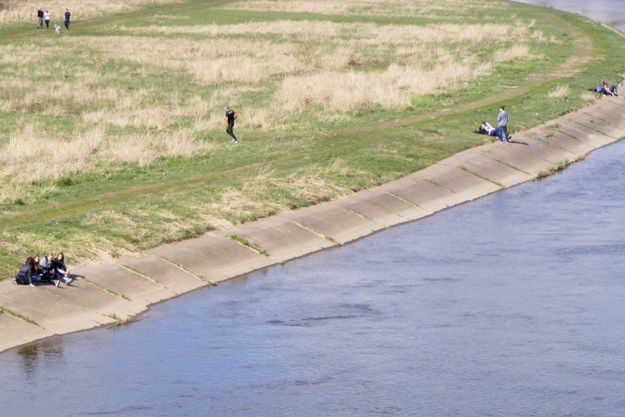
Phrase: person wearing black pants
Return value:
(40, 15)
(68, 17)
(231, 116)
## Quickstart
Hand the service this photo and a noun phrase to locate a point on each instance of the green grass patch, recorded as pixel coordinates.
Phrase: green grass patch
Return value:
(245, 242)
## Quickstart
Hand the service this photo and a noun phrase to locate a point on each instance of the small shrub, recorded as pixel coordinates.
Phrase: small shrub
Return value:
(64, 182)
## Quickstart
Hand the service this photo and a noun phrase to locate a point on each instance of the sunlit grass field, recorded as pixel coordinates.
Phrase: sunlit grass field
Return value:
(112, 138)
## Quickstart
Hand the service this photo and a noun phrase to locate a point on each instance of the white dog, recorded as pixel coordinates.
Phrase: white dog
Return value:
(57, 29)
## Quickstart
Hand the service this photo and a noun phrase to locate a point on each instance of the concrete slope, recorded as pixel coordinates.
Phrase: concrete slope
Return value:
(110, 293)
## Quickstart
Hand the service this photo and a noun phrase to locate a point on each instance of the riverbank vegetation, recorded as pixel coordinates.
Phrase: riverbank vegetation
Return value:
(111, 135)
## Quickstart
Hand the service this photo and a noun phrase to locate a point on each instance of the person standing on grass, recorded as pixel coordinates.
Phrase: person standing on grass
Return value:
(46, 18)
(231, 116)
(502, 125)
(40, 16)
(68, 18)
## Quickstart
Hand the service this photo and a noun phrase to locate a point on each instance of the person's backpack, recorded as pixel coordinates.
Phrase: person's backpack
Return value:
(22, 275)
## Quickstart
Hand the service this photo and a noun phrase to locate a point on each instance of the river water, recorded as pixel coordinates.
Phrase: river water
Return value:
(509, 306)
(608, 11)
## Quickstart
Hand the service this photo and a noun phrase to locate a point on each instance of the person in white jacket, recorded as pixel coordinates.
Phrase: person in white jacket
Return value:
(46, 18)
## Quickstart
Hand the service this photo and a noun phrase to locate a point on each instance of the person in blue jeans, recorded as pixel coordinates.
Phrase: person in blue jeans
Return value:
(502, 125)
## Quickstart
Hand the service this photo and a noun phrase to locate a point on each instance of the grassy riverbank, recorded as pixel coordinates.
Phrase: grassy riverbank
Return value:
(111, 137)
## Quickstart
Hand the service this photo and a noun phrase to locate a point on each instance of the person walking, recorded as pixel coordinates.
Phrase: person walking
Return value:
(231, 116)
(46, 18)
(68, 18)
(502, 125)
(40, 15)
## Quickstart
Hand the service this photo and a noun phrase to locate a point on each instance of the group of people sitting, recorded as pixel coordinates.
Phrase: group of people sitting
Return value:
(49, 270)
(606, 90)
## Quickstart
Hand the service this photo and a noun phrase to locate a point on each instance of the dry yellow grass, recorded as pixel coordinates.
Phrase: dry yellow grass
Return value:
(152, 118)
(588, 96)
(52, 157)
(20, 55)
(392, 88)
(517, 52)
(213, 61)
(560, 92)
(317, 76)
(25, 10)
(362, 7)
(368, 33)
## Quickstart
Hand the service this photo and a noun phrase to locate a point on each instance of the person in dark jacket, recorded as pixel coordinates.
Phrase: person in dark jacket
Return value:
(25, 273)
(68, 18)
(61, 271)
(40, 16)
(230, 117)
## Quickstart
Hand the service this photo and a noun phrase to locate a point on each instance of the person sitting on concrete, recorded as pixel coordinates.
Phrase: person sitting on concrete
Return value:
(61, 271)
(487, 129)
(48, 274)
(25, 275)
(37, 271)
(606, 90)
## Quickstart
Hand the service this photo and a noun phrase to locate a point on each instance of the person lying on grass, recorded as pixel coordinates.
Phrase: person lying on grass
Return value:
(606, 90)
(486, 128)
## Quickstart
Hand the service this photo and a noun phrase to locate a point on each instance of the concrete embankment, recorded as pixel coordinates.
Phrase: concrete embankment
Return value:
(117, 291)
